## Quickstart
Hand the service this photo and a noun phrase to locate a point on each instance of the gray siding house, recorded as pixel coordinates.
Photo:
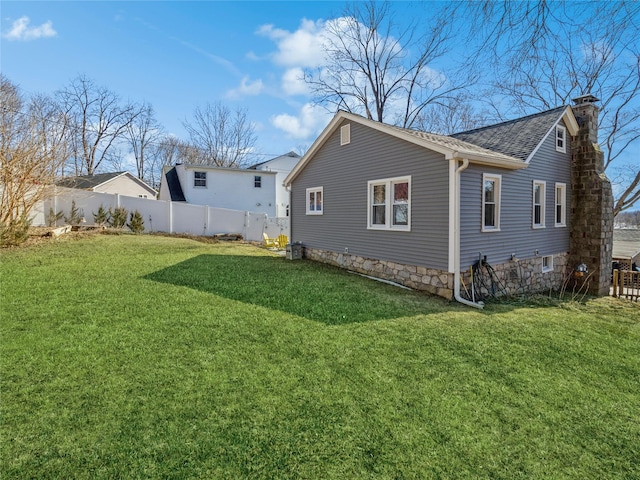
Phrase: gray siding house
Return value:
(422, 209)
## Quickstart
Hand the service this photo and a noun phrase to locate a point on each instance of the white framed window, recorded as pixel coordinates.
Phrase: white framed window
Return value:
(538, 203)
(491, 186)
(389, 204)
(257, 181)
(200, 179)
(345, 134)
(561, 205)
(547, 263)
(315, 201)
(561, 139)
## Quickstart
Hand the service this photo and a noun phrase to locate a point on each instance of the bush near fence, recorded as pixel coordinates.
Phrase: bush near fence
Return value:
(158, 215)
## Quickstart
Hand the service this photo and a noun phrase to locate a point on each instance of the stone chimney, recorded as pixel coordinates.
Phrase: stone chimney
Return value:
(591, 201)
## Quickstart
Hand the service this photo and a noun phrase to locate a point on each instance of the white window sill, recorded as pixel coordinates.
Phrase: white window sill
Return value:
(389, 229)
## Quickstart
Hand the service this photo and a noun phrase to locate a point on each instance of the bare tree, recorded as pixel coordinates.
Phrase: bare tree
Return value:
(541, 54)
(382, 70)
(222, 137)
(33, 146)
(168, 150)
(99, 121)
(142, 133)
(454, 115)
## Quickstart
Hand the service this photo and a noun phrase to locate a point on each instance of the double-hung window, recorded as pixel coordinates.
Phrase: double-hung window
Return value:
(199, 179)
(314, 201)
(257, 181)
(491, 186)
(389, 204)
(561, 139)
(561, 205)
(538, 203)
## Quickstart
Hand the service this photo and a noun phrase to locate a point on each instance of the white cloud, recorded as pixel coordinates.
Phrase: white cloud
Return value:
(293, 82)
(302, 48)
(21, 31)
(247, 88)
(306, 125)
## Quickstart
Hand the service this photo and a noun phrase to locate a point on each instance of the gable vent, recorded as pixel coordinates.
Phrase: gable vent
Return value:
(345, 134)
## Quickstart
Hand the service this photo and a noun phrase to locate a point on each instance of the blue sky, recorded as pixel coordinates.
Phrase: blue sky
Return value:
(181, 55)
(177, 56)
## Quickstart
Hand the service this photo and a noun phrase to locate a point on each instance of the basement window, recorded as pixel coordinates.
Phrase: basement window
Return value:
(547, 264)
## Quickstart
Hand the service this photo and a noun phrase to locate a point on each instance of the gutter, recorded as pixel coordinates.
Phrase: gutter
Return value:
(456, 237)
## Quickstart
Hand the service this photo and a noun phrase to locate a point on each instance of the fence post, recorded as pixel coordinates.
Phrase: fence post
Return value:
(615, 282)
(206, 220)
(170, 212)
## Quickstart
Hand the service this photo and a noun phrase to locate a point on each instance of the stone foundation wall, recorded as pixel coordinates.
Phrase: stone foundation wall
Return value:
(515, 277)
(523, 277)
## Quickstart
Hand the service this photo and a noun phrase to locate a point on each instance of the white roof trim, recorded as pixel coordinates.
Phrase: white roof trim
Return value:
(190, 166)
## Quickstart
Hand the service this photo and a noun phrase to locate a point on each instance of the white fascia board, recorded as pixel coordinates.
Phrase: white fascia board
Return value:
(213, 168)
(479, 159)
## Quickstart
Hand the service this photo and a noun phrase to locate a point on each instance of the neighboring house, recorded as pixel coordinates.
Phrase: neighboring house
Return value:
(282, 165)
(258, 188)
(420, 208)
(626, 248)
(122, 183)
(221, 187)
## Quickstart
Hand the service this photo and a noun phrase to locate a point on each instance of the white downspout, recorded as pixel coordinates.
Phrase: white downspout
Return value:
(456, 238)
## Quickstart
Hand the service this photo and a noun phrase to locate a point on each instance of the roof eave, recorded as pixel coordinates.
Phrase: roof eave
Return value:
(488, 160)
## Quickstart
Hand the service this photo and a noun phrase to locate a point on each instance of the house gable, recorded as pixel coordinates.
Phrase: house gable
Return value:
(448, 146)
(123, 183)
(521, 137)
(221, 187)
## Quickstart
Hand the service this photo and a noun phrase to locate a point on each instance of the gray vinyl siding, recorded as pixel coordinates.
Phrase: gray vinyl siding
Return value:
(343, 172)
(516, 233)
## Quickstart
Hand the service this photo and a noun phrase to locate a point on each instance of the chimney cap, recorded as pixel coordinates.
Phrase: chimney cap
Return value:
(585, 99)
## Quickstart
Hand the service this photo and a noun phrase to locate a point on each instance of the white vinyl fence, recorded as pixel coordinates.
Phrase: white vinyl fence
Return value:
(158, 215)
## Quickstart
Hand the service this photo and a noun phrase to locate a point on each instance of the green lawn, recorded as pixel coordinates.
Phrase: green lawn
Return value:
(153, 357)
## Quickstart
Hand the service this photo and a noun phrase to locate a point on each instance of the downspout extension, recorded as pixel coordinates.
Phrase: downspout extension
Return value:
(456, 253)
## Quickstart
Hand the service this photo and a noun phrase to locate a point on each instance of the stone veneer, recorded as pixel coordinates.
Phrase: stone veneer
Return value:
(518, 277)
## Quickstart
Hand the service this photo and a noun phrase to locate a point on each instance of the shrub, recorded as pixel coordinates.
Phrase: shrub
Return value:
(15, 232)
(136, 222)
(117, 217)
(75, 216)
(53, 218)
(102, 217)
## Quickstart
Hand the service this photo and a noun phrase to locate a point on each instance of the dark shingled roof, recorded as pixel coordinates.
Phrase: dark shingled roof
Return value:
(516, 138)
(175, 189)
(87, 182)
